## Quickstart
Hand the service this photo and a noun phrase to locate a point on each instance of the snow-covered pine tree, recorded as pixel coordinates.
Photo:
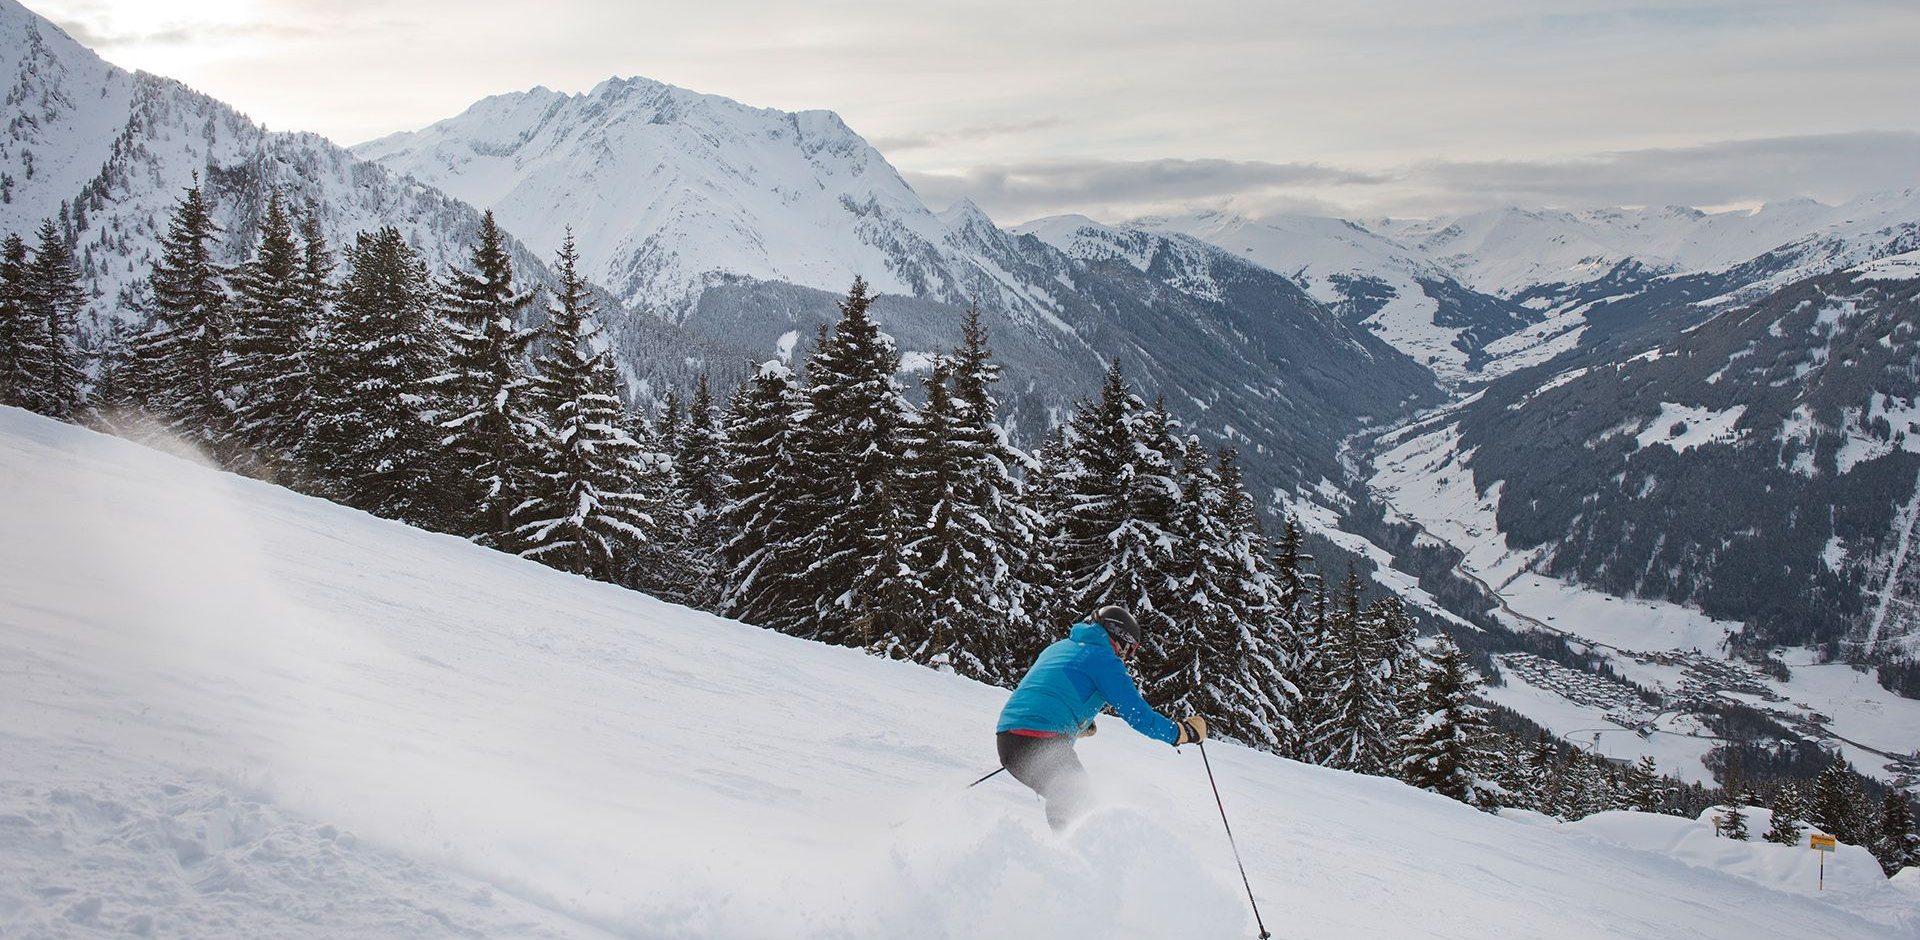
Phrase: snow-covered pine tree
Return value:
(1786, 826)
(1008, 526)
(1089, 490)
(1897, 845)
(1209, 662)
(1835, 806)
(1143, 562)
(1295, 584)
(1116, 495)
(670, 422)
(494, 436)
(1646, 790)
(112, 397)
(1399, 650)
(181, 361)
(849, 454)
(374, 443)
(1356, 712)
(1732, 822)
(53, 294)
(947, 539)
(760, 557)
(23, 336)
(273, 326)
(1270, 639)
(317, 290)
(1043, 497)
(586, 509)
(700, 456)
(1311, 674)
(1437, 750)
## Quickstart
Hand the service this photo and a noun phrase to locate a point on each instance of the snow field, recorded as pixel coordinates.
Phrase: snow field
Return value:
(230, 711)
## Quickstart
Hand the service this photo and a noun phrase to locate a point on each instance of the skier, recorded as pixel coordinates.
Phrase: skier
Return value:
(1056, 704)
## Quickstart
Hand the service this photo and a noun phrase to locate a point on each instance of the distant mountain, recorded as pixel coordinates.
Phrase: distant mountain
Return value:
(1759, 463)
(1412, 302)
(1531, 253)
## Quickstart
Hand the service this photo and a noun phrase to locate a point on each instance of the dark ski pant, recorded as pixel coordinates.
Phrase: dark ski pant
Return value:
(1050, 768)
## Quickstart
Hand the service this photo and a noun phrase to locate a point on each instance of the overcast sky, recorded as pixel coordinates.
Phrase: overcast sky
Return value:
(1120, 107)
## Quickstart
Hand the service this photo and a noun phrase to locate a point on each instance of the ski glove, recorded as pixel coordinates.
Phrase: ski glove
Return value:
(1089, 730)
(1193, 729)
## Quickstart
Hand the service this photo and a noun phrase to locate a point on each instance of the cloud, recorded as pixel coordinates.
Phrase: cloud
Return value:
(102, 37)
(1115, 187)
(1829, 167)
(904, 142)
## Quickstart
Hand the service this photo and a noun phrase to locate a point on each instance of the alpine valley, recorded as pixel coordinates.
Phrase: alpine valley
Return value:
(1658, 467)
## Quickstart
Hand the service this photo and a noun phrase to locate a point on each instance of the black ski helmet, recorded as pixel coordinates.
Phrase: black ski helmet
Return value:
(1118, 623)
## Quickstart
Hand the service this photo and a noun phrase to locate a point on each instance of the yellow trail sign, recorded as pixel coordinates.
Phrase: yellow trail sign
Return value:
(1820, 843)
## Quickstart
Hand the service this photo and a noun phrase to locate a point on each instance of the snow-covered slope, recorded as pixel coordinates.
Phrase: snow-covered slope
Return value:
(230, 711)
(1511, 252)
(1408, 300)
(671, 192)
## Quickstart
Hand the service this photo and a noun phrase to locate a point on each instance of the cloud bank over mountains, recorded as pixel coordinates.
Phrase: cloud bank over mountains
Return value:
(1830, 168)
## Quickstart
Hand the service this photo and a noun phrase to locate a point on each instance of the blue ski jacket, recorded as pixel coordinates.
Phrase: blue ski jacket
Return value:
(1071, 681)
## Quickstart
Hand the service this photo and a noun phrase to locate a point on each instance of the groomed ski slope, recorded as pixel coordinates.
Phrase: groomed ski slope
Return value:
(230, 711)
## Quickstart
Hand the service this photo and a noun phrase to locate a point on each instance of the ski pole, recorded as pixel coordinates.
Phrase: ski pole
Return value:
(986, 778)
(1264, 935)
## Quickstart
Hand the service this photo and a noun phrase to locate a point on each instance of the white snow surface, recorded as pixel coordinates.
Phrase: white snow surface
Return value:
(1701, 426)
(230, 711)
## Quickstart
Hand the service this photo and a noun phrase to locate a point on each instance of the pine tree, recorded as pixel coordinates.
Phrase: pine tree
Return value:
(1221, 664)
(700, 457)
(112, 395)
(1835, 807)
(586, 509)
(1116, 494)
(1044, 498)
(991, 505)
(1646, 790)
(1438, 747)
(1732, 823)
(1269, 645)
(858, 584)
(1357, 714)
(1897, 845)
(1785, 828)
(670, 422)
(53, 295)
(493, 428)
(945, 538)
(761, 559)
(374, 443)
(1295, 585)
(272, 340)
(23, 335)
(182, 359)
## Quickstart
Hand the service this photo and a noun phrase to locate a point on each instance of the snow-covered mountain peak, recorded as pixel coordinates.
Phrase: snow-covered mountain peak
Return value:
(964, 214)
(1083, 239)
(671, 191)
